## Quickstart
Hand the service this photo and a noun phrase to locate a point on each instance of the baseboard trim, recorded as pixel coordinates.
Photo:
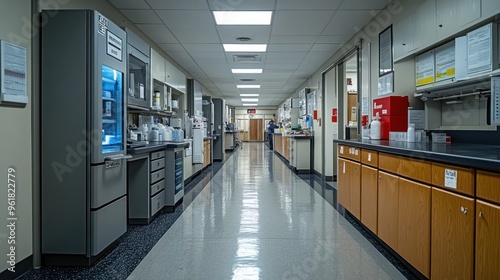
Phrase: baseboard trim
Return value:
(20, 268)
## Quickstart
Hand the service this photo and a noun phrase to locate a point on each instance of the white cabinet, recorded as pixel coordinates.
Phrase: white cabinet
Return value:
(404, 36)
(425, 24)
(157, 66)
(452, 15)
(489, 8)
(300, 153)
(174, 77)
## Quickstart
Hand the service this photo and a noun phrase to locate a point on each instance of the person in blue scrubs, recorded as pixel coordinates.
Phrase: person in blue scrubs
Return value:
(270, 131)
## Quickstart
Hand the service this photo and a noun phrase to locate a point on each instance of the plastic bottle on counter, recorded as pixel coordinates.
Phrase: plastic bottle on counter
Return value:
(410, 134)
(153, 134)
(375, 128)
(145, 131)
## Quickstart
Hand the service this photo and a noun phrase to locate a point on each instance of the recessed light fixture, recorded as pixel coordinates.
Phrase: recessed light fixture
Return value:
(243, 17)
(246, 71)
(250, 100)
(245, 47)
(249, 104)
(249, 95)
(248, 86)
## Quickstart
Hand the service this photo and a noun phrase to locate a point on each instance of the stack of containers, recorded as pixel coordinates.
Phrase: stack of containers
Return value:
(393, 112)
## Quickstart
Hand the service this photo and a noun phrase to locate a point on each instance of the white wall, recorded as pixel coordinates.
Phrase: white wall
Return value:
(15, 151)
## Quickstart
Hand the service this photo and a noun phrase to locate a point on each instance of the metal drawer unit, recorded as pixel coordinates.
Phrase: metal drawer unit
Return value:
(157, 182)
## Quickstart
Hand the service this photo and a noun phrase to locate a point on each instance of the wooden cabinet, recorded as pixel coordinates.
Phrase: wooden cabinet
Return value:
(206, 153)
(415, 169)
(414, 224)
(278, 143)
(369, 157)
(487, 186)
(388, 207)
(369, 200)
(453, 178)
(452, 236)
(286, 148)
(349, 152)
(349, 186)
(487, 240)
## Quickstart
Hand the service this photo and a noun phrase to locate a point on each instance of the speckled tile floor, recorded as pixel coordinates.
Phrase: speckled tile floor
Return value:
(252, 219)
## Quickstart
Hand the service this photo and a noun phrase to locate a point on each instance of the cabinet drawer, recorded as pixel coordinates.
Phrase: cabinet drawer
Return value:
(488, 186)
(156, 187)
(453, 178)
(349, 152)
(388, 162)
(157, 164)
(157, 202)
(369, 157)
(419, 170)
(157, 155)
(414, 169)
(157, 176)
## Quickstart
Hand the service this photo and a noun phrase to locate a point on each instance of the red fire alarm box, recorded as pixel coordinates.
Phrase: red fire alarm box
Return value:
(334, 115)
(393, 112)
(315, 114)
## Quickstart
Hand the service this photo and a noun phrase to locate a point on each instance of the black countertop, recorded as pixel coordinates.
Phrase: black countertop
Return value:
(155, 146)
(299, 136)
(231, 131)
(468, 155)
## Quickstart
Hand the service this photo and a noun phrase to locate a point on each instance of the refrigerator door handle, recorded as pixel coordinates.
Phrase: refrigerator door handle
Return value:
(117, 157)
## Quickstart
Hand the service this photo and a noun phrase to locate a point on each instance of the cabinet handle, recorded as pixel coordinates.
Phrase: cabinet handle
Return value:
(480, 214)
(463, 209)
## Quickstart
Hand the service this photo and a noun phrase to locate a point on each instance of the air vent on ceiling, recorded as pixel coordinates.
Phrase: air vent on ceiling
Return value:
(247, 80)
(246, 58)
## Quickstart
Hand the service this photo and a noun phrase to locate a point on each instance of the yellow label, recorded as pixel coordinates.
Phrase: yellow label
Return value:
(425, 81)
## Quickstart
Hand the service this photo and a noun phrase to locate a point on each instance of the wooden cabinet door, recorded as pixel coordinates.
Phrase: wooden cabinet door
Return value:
(355, 189)
(343, 184)
(452, 236)
(414, 233)
(369, 190)
(487, 240)
(388, 205)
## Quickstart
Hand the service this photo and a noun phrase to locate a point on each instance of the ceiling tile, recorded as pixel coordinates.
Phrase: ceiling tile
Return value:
(332, 39)
(347, 22)
(203, 47)
(294, 55)
(142, 16)
(289, 47)
(240, 5)
(158, 33)
(332, 48)
(291, 39)
(129, 4)
(178, 4)
(307, 5)
(314, 60)
(190, 26)
(288, 23)
(220, 56)
(365, 5)
(171, 47)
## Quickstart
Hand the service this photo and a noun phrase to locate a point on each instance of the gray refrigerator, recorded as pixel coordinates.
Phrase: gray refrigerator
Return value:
(83, 141)
(219, 151)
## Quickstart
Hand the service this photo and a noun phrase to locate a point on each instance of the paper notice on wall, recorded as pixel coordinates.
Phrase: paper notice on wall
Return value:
(450, 178)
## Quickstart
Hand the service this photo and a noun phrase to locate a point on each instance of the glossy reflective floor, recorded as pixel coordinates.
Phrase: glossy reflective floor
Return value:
(256, 219)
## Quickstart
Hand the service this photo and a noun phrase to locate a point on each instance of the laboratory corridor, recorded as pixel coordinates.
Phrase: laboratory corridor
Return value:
(256, 219)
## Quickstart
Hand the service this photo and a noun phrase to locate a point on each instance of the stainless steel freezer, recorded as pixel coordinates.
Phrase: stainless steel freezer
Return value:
(83, 148)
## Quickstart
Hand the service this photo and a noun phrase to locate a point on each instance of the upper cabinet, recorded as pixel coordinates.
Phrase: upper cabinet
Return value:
(489, 8)
(157, 66)
(452, 15)
(174, 77)
(164, 71)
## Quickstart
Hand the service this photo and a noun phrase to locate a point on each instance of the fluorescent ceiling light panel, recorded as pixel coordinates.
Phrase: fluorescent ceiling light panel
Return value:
(246, 71)
(245, 47)
(250, 100)
(249, 95)
(243, 17)
(249, 104)
(248, 86)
